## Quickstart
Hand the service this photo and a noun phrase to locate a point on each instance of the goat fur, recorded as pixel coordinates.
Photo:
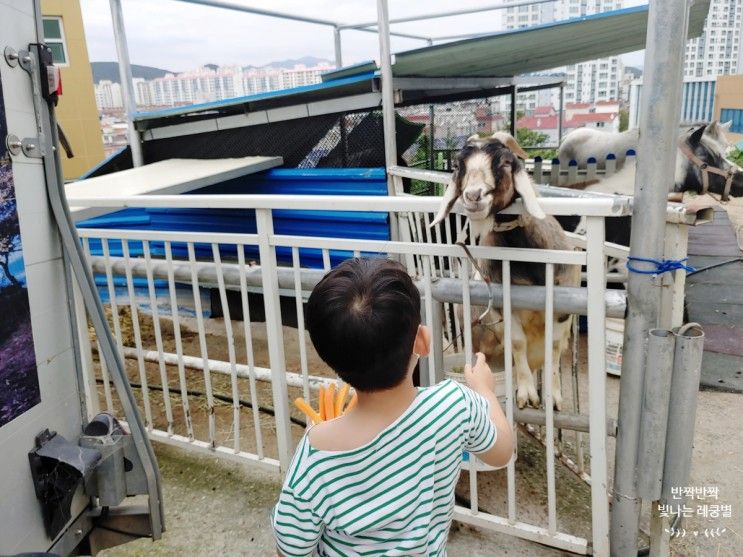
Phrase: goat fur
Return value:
(489, 172)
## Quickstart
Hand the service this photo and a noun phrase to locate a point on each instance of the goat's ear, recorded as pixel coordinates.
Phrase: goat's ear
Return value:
(523, 185)
(447, 202)
(726, 126)
(508, 140)
(696, 136)
(473, 137)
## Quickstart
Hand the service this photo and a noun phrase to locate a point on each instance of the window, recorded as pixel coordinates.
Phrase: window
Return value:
(54, 39)
(734, 114)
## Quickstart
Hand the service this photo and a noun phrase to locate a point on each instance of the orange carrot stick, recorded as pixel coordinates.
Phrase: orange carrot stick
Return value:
(330, 402)
(303, 406)
(354, 400)
(323, 410)
(340, 400)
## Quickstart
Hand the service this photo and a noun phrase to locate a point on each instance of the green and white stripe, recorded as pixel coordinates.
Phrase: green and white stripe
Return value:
(391, 496)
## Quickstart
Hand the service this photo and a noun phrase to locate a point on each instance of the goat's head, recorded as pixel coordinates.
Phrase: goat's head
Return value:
(488, 176)
(699, 146)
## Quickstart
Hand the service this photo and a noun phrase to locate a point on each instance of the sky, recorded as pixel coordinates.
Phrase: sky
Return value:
(177, 36)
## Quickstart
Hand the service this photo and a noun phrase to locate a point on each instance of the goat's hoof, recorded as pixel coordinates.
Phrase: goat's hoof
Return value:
(522, 399)
(534, 397)
(557, 401)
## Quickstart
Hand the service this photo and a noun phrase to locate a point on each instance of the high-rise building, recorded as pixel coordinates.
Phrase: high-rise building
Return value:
(596, 80)
(108, 95)
(718, 51)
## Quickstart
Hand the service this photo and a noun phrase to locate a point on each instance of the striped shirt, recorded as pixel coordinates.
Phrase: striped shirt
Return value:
(392, 496)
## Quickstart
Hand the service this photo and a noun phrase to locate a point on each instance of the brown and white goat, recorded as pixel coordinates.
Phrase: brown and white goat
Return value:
(488, 177)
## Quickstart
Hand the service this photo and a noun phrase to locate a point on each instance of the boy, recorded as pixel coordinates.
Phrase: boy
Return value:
(380, 479)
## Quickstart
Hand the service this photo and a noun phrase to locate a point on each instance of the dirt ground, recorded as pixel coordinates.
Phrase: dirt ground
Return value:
(218, 508)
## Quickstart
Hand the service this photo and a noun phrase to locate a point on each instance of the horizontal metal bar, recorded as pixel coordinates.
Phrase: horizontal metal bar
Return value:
(565, 257)
(166, 236)
(448, 83)
(534, 416)
(398, 34)
(437, 15)
(225, 368)
(567, 299)
(604, 207)
(226, 453)
(676, 213)
(562, 420)
(259, 11)
(523, 530)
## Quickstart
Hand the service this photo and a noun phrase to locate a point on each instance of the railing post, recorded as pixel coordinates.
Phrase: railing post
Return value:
(659, 121)
(274, 335)
(560, 113)
(596, 285)
(92, 404)
(127, 86)
(338, 47)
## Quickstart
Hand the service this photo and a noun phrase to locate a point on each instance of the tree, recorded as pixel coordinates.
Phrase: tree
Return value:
(529, 138)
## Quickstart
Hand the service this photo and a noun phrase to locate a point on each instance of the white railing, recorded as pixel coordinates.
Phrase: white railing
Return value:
(224, 387)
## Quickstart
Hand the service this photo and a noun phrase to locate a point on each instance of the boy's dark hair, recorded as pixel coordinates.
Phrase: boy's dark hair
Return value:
(362, 318)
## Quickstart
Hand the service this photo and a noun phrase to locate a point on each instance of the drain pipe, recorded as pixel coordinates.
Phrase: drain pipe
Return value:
(658, 372)
(666, 36)
(687, 369)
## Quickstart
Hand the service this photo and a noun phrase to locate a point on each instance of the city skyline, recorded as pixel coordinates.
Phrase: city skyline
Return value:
(205, 84)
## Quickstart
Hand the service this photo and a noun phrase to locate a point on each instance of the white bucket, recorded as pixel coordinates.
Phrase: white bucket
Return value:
(614, 344)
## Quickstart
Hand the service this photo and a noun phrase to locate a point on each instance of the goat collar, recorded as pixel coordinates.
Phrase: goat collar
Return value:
(508, 225)
(706, 169)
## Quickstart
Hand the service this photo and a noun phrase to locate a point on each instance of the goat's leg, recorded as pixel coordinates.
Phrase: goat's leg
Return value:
(556, 387)
(562, 327)
(526, 391)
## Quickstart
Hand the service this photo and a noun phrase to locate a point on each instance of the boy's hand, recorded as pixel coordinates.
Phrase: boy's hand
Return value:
(479, 378)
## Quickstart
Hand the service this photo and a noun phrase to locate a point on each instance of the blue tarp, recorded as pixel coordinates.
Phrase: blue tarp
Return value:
(323, 223)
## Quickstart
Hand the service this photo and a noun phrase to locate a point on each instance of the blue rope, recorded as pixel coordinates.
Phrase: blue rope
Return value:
(661, 265)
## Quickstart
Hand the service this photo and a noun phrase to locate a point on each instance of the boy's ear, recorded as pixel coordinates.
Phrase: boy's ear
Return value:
(422, 344)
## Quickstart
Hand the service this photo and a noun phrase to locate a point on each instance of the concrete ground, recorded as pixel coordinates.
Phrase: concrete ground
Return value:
(218, 508)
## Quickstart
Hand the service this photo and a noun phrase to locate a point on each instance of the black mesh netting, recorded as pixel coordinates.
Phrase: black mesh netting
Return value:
(327, 141)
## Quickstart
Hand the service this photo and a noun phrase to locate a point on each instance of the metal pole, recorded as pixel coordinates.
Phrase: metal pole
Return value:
(658, 132)
(338, 48)
(125, 76)
(437, 15)
(388, 97)
(560, 113)
(513, 110)
(258, 11)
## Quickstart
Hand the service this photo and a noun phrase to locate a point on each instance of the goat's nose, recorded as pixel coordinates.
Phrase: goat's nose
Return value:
(472, 195)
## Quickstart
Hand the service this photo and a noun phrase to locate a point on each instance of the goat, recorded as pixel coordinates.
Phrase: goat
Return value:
(488, 176)
(584, 143)
(705, 149)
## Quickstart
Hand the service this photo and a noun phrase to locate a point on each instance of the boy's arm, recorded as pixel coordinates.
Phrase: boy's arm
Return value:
(481, 380)
(297, 528)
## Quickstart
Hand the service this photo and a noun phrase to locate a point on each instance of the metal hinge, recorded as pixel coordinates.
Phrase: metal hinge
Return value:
(29, 146)
(13, 57)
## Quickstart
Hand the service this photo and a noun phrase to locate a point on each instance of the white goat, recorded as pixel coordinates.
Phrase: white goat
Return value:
(584, 143)
(488, 177)
(707, 147)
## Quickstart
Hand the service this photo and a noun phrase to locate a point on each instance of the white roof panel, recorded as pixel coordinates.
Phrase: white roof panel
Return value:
(172, 176)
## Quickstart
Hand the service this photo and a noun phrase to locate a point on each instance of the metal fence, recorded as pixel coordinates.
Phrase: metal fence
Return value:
(205, 384)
